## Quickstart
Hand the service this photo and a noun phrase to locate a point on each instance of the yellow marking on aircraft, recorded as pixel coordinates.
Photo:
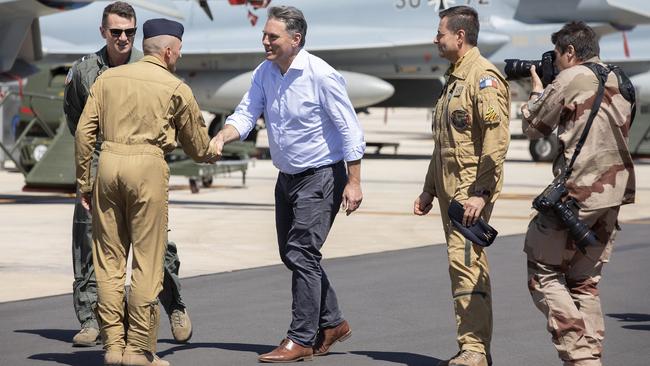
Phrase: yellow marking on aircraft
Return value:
(519, 41)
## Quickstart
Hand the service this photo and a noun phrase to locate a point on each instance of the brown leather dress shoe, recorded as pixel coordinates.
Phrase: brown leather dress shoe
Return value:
(327, 336)
(288, 351)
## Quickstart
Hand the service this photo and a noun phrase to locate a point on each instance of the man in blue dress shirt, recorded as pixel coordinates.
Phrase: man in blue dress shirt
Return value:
(313, 135)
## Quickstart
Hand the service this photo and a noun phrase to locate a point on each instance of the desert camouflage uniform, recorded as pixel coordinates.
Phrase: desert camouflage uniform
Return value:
(563, 281)
(80, 78)
(471, 134)
(130, 192)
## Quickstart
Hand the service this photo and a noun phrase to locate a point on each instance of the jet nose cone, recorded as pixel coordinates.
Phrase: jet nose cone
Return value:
(214, 90)
(365, 90)
(641, 82)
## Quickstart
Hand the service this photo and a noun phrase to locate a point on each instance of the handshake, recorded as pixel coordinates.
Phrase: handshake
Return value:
(215, 149)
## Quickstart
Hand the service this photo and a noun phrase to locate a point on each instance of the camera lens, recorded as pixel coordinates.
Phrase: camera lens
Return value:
(518, 69)
(578, 231)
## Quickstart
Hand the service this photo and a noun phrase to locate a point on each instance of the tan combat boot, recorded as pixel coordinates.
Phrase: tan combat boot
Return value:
(88, 336)
(142, 359)
(181, 325)
(113, 358)
(466, 358)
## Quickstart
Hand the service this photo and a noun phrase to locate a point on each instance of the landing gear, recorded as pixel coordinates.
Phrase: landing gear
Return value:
(544, 149)
(206, 182)
(194, 187)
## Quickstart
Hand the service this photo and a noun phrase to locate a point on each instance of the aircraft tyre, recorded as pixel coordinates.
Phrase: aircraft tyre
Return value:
(544, 149)
(206, 182)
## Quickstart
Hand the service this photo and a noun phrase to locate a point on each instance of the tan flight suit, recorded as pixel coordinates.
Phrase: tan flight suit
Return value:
(139, 110)
(471, 134)
(559, 275)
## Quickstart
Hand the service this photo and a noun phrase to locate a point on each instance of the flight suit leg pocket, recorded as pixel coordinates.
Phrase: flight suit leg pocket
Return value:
(605, 229)
(154, 322)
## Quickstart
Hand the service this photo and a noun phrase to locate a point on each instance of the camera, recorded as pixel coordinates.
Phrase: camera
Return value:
(551, 201)
(545, 68)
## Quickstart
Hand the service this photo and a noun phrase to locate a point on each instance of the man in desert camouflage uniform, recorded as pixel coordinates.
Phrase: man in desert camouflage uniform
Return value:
(562, 280)
(470, 130)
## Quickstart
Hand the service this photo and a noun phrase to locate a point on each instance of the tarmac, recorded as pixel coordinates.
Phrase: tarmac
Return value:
(387, 265)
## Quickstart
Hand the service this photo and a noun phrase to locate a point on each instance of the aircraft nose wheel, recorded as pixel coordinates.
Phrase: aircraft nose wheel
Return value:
(544, 149)
(194, 187)
(206, 182)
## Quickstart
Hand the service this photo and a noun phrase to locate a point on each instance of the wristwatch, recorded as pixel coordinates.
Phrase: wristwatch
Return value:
(482, 193)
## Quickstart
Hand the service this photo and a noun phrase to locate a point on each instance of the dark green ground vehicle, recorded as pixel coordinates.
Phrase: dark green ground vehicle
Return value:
(44, 148)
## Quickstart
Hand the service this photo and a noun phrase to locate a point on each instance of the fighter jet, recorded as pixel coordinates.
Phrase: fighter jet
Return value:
(373, 42)
(384, 48)
(19, 29)
(20, 46)
(20, 41)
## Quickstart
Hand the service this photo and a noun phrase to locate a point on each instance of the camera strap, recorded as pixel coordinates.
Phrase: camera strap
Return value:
(601, 74)
(626, 87)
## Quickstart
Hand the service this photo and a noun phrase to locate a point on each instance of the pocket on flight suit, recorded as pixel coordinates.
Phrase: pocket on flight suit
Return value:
(466, 155)
(546, 240)
(459, 112)
(154, 323)
(609, 247)
(605, 229)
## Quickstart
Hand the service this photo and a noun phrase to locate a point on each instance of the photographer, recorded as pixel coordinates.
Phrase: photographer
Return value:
(567, 245)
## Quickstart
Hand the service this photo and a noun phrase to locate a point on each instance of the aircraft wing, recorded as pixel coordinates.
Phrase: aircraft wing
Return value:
(388, 39)
(210, 42)
(621, 12)
(20, 35)
(19, 29)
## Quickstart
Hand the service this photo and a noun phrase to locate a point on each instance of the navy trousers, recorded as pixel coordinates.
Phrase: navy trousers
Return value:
(305, 207)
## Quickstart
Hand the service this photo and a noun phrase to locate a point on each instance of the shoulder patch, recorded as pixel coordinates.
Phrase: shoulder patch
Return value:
(491, 115)
(68, 77)
(460, 119)
(488, 81)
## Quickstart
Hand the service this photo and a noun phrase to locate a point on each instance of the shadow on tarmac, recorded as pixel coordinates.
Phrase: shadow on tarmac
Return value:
(406, 358)
(240, 347)
(399, 303)
(63, 335)
(633, 317)
(72, 358)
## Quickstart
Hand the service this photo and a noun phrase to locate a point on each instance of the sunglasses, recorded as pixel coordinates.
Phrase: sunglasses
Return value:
(130, 32)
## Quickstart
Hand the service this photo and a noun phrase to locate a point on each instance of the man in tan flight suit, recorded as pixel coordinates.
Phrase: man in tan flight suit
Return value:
(118, 28)
(470, 130)
(562, 280)
(139, 109)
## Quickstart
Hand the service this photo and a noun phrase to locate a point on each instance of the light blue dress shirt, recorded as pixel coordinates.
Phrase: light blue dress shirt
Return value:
(309, 116)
